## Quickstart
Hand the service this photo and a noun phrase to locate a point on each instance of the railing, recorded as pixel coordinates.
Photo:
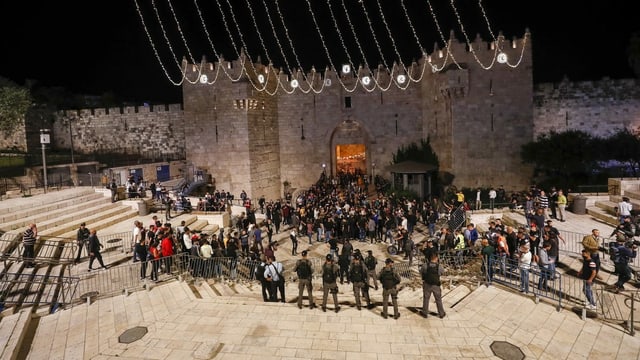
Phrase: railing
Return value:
(55, 290)
(597, 189)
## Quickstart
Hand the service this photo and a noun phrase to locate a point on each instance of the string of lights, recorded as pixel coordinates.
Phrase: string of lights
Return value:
(295, 53)
(376, 78)
(155, 50)
(349, 77)
(217, 54)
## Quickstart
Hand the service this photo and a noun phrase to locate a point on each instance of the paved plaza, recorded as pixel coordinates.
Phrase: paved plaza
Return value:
(193, 320)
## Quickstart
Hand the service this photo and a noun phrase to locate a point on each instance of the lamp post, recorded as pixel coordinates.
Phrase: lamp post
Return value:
(44, 140)
(324, 168)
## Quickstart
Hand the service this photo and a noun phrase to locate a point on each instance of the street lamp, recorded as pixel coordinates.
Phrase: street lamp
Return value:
(324, 168)
(44, 140)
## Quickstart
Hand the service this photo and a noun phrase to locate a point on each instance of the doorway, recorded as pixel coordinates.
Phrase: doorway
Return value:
(351, 158)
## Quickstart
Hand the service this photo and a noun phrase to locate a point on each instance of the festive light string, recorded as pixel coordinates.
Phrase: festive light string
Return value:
(346, 50)
(324, 45)
(293, 49)
(295, 54)
(469, 44)
(498, 44)
(246, 52)
(395, 48)
(376, 78)
(166, 38)
(373, 34)
(155, 50)
(446, 42)
(217, 54)
(368, 79)
(275, 36)
(266, 51)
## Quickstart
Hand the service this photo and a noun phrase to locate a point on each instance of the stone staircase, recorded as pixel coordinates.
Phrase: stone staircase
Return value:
(92, 329)
(604, 209)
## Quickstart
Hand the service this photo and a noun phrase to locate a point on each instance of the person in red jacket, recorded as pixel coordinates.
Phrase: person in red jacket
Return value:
(166, 247)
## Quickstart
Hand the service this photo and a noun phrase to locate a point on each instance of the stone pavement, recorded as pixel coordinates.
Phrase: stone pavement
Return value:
(242, 326)
(188, 321)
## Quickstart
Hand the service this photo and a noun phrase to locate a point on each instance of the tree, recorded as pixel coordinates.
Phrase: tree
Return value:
(423, 154)
(569, 156)
(14, 103)
(633, 53)
(624, 147)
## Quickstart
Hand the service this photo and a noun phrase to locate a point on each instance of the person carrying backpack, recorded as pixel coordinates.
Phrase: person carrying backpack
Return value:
(259, 272)
(329, 275)
(358, 276)
(621, 253)
(389, 279)
(370, 261)
(431, 272)
(304, 269)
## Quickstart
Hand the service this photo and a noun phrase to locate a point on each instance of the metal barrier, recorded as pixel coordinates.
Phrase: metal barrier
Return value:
(20, 289)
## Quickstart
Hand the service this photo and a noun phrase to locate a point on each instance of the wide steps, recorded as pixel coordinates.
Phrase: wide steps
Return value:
(100, 222)
(12, 332)
(603, 215)
(634, 198)
(108, 215)
(9, 206)
(21, 216)
(198, 225)
(44, 217)
(607, 206)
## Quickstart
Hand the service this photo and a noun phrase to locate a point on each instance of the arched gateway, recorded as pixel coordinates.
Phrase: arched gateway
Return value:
(350, 149)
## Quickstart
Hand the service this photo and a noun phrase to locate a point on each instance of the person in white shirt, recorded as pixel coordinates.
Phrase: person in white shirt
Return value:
(624, 209)
(273, 274)
(492, 198)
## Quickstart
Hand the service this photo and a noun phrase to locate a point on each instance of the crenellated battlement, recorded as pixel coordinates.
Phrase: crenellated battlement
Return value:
(605, 89)
(143, 109)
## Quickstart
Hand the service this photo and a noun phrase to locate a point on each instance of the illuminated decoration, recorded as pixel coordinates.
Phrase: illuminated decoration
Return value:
(268, 79)
(502, 58)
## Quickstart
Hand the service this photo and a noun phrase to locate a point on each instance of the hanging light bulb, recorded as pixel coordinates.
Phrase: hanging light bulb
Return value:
(294, 83)
(502, 58)
(401, 79)
(366, 80)
(203, 79)
(261, 78)
(346, 68)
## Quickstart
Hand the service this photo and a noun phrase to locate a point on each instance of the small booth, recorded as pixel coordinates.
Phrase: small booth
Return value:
(414, 176)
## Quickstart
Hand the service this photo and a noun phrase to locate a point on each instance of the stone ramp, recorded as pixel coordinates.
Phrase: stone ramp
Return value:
(12, 332)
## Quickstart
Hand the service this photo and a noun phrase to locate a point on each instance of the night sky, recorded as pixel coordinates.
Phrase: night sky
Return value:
(93, 47)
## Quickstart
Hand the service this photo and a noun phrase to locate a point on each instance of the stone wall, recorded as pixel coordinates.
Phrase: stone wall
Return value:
(254, 140)
(599, 108)
(16, 141)
(132, 130)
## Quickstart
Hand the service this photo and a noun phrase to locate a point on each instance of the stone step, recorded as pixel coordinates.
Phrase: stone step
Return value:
(198, 225)
(107, 215)
(10, 205)
(43, 216)
(13, 329)
(607, 206)
(602, 215)
(633, 200)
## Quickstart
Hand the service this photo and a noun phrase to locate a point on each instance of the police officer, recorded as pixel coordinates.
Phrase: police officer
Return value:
(389, 280)
(330, 272)
(358, 276)
(431, 271)
(304, 269)
(371, 262)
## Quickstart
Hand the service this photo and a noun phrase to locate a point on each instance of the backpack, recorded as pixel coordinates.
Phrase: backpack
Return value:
(370, 262)
(328, 275)
(429, 274)
(614, 253)
(303, 269)
(260, 271)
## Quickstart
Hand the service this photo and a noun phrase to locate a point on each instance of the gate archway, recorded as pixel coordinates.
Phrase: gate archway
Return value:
(350, 149)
